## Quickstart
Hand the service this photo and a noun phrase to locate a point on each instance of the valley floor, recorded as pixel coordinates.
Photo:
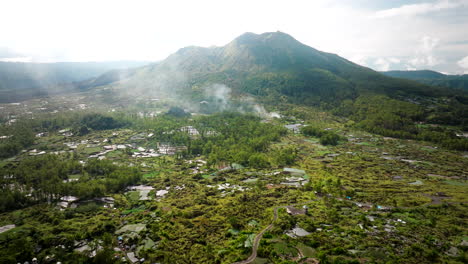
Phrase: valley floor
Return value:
(369, 199)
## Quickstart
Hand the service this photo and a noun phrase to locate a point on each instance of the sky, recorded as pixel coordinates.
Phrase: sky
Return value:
(380, 34)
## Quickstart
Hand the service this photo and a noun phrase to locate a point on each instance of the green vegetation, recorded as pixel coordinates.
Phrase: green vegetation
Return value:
(221, 184)
(18, 136)
(433, 78)
(326, 137)
(277, 69)
(375, 174)
(398, 119)
(44, 178)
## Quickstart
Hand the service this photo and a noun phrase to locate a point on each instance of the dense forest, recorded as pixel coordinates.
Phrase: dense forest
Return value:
(44, 179)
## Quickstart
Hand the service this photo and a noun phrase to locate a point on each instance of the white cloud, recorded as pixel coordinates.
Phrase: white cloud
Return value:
(428, 44)
(394, 60)
(418, 9)
(424, 61)
(425, 53)
(382, 64)
(386, 64)
(17, 59)
(463, 63)
(359, 59)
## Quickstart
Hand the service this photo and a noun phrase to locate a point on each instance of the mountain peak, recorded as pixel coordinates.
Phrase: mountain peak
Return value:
(267, 37)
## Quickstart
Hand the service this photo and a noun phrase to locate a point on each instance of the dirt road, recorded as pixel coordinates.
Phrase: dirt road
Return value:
(259, 236)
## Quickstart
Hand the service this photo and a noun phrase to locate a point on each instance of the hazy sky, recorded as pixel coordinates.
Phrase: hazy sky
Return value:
(381, 34)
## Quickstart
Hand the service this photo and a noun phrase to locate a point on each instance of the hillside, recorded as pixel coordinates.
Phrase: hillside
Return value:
(277, 70)
(20, 81)
(432, 78)
(271, 64)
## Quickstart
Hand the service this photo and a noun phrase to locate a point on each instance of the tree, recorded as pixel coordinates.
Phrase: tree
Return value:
(259, 160)
(329, 138)
(177, 112)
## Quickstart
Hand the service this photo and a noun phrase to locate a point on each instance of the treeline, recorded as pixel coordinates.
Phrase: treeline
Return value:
(225, 137)
(394, 118)
(385, 106)
(239, 138)
(21, 134)
(441, 136)
(326, 137)
(16, 137)
(78, 121)
(45, 179)
(317, 87)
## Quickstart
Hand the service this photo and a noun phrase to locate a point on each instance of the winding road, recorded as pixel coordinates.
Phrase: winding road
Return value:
(259, 236)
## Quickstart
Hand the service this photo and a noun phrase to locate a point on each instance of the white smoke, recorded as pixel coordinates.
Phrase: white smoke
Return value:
(225, 101)
(221, 94)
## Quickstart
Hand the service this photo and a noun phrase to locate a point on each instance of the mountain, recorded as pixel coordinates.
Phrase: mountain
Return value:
(432, 78)
(20, 81)
(272, 65)
(278, 71)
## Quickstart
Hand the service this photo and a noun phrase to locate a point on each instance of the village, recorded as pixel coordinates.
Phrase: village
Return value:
(363, 190)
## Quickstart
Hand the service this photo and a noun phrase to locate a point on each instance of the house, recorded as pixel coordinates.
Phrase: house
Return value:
(365, 206)
(140, 136)
(294, 172)
(110, 147)
(62, 204)
(42, 134)
(295, 128)
(295, 211)
(292, 184)
(131, 257)
(190, 130)
(106, 200)
(69, 199)
(143, 190)
(270, 186)
(167, 149)
(297, 232)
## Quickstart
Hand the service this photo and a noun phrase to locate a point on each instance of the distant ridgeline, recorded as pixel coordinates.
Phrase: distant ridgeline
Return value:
(22, 81)
(275, 68)
(433, 78)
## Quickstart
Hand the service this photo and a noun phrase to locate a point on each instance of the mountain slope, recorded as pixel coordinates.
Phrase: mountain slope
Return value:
(432, 78)
(279, 71)
(269, 64)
